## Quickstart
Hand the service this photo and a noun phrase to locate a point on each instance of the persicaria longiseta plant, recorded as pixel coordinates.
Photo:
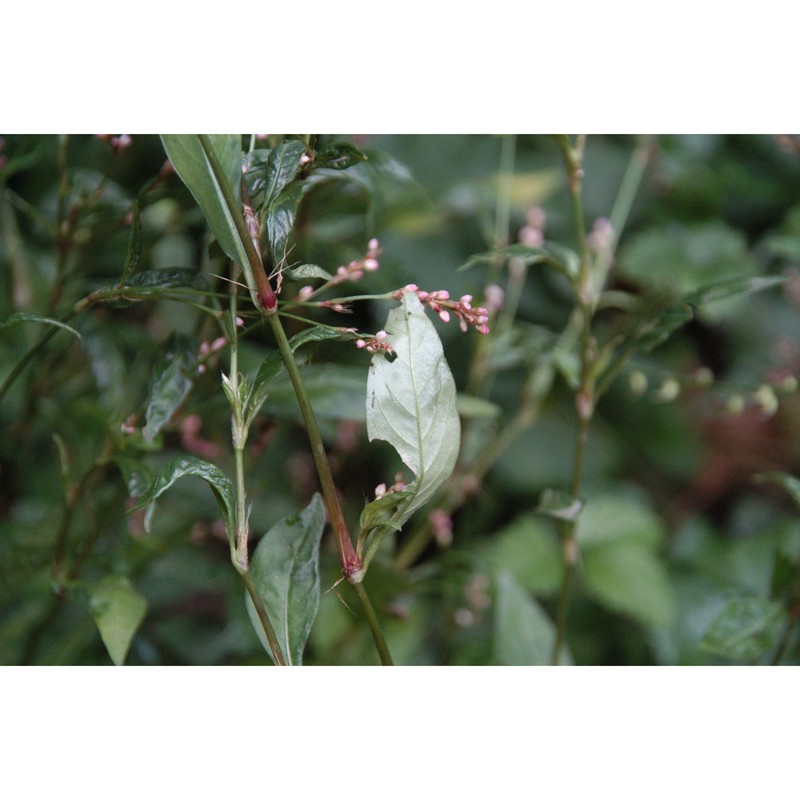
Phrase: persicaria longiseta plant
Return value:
(269, 297)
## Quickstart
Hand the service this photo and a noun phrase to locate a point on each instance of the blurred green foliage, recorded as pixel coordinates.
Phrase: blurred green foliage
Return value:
(684, 557)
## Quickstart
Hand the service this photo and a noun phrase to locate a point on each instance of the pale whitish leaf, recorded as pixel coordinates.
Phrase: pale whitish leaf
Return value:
(523, 634)
(411, 401)
(118, 610)
(189, 158)
(285, 570)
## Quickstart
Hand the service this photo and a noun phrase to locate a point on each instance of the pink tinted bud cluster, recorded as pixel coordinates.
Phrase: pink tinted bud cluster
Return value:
(355, 270)
(209, 348)
(398, 486)
(441, 527)
(375, 344)
(440, 302)
(532, 232)
(118, 143)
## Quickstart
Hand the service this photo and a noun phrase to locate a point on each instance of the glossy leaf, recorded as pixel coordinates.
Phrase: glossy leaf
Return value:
(171, 384)
(338, 155)
(336, 391)
(220, 203)
(269, 172)
(280, 219)
(154, 281)
(411, 401)
(118, 610)
(23, 316)
(183, 466)
(523, 634)
(272, 365)
(745, 629)
(285, 570)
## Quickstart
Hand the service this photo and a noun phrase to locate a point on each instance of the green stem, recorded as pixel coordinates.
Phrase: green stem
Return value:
(239, 549)
(269, 631)
(352, 566)
(585, 400)
(374, 625)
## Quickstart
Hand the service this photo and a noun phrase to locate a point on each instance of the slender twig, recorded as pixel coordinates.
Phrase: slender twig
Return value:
(239, 547)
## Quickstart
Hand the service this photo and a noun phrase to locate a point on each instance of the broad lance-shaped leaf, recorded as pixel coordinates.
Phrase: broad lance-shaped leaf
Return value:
(219, 482)
(187, 155)
(285, 570)
(22, 316)
(118, 610)
(411, 402)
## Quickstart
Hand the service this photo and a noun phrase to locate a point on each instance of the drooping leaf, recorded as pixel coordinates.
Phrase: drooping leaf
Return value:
(285, 570)
(411, 401)
(280, 219)
(118, 610)
(523, 634)
(219, 199)
(560, 258)
(272, 365)
(24, 316)
(268, 172)
(171, 384)
(745, 629)
(182, 466)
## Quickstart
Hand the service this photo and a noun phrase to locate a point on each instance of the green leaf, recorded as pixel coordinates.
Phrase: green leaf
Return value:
(118, 610)
(529, 552)
(787, 482)
(679, 259)
(134, 247)
(628, 578)
(190, 465)
(273, 364)
(280, 219)
(559, 505)
(172, 382)
(471, 407)
(745, 629)
(23, 316)
(306, 272)
(619, 518)
(411, 401)
(338, 155)
(336, 391)
(220, 203)
(160, 279)
(285, 570)
(269, 175)
(559, 258)
(523, 634)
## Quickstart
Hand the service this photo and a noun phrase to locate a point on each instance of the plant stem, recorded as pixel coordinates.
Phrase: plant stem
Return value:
(584, 400)
(374, 625)
(239, 548)
(350, 561)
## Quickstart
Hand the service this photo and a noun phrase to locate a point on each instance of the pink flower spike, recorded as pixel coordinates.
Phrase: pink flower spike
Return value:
(361, 344)
(381, 335)
(444, 316)
(373, 245)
